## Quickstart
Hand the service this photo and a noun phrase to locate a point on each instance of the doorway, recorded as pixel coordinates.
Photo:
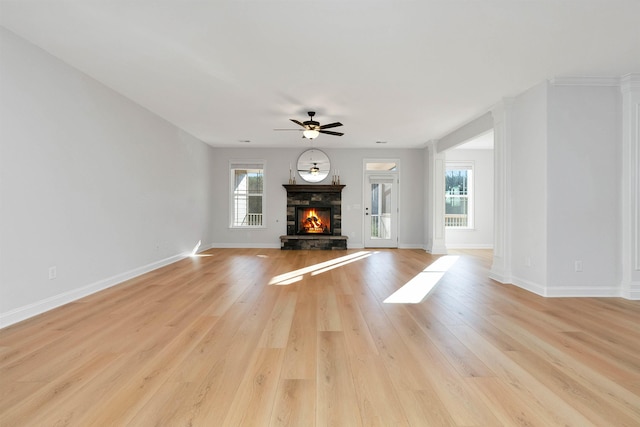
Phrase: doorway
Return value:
(381, 188)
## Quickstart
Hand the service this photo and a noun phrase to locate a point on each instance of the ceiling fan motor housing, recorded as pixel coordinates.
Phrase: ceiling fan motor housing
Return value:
(312, 124)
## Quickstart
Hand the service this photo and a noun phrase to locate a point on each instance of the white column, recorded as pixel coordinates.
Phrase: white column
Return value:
(502, 116)
(630, 251)
(435, 222)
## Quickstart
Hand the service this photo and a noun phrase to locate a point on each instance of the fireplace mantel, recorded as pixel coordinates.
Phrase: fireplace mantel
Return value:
(293, 188)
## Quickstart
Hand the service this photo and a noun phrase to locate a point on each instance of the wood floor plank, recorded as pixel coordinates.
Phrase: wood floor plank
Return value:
(424, 408)
(592, 405)
(376, 397)
(269, 337)
(276, 330)
(122, 407)
(253, 402)
(355, 328)
(547, 405)
(465, 407)
(499, 397)
(328, 313)
(337, 399)
(557, 370)
(462, 359)
(300, 359)
(295, 403)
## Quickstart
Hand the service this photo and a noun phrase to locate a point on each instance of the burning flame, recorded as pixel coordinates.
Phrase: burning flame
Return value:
(313, 223)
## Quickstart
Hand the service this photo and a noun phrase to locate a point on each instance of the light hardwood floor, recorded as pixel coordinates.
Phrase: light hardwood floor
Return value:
(302, 338)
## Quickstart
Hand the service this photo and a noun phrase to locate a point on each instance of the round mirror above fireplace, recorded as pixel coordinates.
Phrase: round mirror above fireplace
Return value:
(313, 165)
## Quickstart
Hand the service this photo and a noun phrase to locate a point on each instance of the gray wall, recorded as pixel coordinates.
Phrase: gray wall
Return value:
(565, 199)
(90, 183)
(350, 164)
(528, 196)
(584, 179)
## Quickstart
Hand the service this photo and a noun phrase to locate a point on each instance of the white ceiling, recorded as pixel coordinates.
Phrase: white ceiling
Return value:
(403, 72)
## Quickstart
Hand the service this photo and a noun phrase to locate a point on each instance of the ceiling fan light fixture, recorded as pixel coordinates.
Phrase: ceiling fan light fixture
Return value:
(314, 169)
(310, 133)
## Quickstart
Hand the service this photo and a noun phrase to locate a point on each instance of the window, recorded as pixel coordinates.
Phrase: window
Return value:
(247, 194)
(381, 165)
(459, 195)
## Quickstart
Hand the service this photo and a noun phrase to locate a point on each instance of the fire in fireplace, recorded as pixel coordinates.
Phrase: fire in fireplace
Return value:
(313, 220)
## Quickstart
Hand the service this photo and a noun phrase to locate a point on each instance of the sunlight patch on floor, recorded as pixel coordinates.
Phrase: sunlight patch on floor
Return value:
(296, 275)
(416, 289)
(343, 263)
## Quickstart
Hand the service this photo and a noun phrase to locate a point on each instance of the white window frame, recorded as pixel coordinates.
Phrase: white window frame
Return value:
(469, 166)
(246, 164)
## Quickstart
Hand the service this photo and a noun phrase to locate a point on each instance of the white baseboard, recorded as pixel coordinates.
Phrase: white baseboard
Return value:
(568, 291)
(500, 276)
(528, 285)
(436, 249)
(631, 290)
(470, 246)
(39, 307)
(246, 246)
(583, 291)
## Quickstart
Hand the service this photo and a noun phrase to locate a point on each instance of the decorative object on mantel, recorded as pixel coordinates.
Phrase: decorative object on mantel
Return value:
(313, 166)
(292, 178)
(335, 178)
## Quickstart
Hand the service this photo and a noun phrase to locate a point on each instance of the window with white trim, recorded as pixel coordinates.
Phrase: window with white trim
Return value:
(458, 195)
(247, 194)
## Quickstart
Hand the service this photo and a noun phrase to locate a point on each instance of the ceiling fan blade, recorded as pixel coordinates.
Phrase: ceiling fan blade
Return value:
(298, 122)
(330, 132)
(331, 125)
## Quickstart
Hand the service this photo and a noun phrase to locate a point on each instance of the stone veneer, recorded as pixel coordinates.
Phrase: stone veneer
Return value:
(314, 196)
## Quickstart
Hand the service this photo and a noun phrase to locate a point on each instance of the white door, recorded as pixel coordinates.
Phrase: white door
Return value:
(381, 210)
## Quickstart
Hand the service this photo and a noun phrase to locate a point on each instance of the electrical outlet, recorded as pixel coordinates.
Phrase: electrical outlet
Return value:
(578, 266)
(53, 272)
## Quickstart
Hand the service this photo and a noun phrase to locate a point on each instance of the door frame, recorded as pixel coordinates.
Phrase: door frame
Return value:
(395, 174)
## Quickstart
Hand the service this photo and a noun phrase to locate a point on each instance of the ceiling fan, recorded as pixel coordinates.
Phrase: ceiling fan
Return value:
(311, 128)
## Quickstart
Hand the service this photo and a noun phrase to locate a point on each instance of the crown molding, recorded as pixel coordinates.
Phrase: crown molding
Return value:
(630, 82)
(585, 81)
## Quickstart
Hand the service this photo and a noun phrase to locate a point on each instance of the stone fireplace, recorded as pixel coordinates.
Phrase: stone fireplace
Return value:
(314, 214)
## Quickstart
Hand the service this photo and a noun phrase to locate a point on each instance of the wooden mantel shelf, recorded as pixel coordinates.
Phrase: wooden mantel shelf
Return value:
(313, 188)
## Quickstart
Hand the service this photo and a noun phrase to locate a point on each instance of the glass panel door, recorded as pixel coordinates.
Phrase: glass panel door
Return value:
(380, 211)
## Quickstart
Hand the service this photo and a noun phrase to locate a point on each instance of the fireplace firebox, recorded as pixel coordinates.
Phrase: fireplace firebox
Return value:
(313, 220)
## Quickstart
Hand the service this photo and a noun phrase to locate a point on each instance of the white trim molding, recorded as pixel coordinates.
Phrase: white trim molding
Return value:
(630, 227)
(435, 197)
(246, 245)
(501, 267)
(470, 246)
(585, 81)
